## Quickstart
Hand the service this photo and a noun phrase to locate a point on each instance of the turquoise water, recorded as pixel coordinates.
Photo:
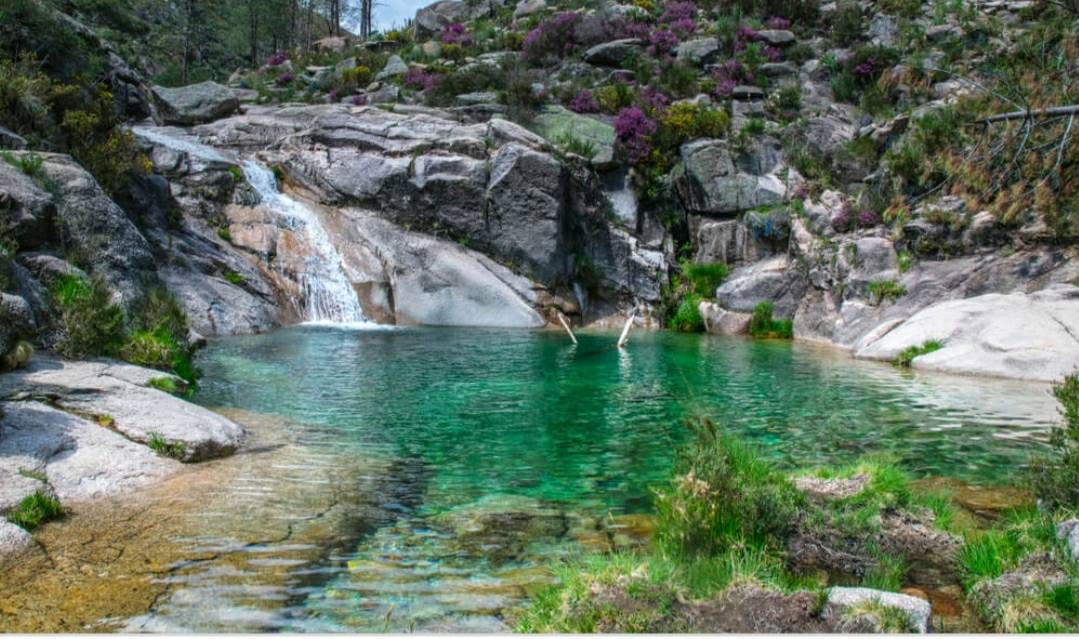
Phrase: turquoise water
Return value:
(588, 428)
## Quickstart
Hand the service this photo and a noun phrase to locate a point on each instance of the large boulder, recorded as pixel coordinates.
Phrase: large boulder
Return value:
(43, 449)
(1018, 335)
(526, 196)
(16, 321)
(614, 53)
(771, 280)
(732, 242)
(430, 19)
(717, 178)
(195, 103)
(701, 51)
(121, 395)
(95, 229)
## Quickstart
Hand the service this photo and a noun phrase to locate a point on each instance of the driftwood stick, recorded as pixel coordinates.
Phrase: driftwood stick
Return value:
(1031, 113)
(565, 325)
(625, 331)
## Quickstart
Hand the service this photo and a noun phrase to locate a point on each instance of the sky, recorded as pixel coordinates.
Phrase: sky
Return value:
(390, 13)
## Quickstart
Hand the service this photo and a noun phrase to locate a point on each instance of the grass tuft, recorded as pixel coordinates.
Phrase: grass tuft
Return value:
(35, 510)
(165, 448)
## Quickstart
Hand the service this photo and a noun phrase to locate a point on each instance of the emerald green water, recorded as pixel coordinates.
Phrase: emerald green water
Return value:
(586, 429)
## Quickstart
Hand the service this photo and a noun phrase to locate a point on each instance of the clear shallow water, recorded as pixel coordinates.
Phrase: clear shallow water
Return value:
(482, 414)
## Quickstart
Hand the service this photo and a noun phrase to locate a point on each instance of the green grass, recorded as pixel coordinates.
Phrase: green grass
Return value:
(687, 317)
(35, 510)
(165, 448)
(885, 290)
(907, 356)
(166, 384)
(763, 325)
(887, 618)
(577, 146)
(234, 278)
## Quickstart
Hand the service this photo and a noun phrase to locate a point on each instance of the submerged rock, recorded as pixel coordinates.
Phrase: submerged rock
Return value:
(500, 526)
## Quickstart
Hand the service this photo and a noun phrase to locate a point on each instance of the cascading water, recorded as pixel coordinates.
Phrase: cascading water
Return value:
(327, 294)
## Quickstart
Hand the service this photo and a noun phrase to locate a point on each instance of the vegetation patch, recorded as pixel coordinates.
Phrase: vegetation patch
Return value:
(763, 325)
(907, 356)
(165, 448)
(34, 510)
(885, 290)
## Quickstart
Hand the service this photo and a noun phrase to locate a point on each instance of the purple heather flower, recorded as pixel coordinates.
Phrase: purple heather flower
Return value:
(868, 218)
(774, 54)
(747, 34)
(634, 130)
(662, 41)
(777, 22)
(675, 11)
(358, 100)
(456, 33)
(421, 79)
(284, 79)
(552, 37)
(277, 59)
(683, 27)
(866, 69)
(653, 99)
(584, 102)
(724, 88)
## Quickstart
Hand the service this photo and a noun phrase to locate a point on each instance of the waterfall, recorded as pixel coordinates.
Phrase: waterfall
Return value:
(327, 294)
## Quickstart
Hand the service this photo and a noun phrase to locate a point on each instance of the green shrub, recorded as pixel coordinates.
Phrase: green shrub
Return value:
(1055, 480)
(18, 357)
(907, 356)
(885, 290)
(165, 448)
(761, 324)
(723, 496)
(687, 317)
(89, 323)
(35, 510)
(158, 337)
(704, 278)
(165, 385)
(614, 97)
(577, 146)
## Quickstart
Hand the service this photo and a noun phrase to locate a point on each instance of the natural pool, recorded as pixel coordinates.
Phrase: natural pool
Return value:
(496, 432)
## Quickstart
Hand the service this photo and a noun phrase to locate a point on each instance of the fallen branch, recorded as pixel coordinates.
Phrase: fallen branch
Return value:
(565, 325)
(625, 331)
(1031, 113)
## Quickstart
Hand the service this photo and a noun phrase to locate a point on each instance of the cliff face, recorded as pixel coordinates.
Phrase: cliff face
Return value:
(745, 147)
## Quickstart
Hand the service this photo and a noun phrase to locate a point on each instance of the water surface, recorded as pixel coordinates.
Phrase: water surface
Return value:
(526, 421)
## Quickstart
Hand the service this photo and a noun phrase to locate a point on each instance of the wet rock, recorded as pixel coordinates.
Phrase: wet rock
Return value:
(195, 104)
(1019, 335)
(119, 394)
(852, 610)
(500, 526)
(13, 539)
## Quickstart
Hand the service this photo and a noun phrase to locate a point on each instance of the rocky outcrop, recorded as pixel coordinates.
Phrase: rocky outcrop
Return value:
(557, 124)
(195, 103)
(718, 178)
(1023, 336)
(119, 396)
